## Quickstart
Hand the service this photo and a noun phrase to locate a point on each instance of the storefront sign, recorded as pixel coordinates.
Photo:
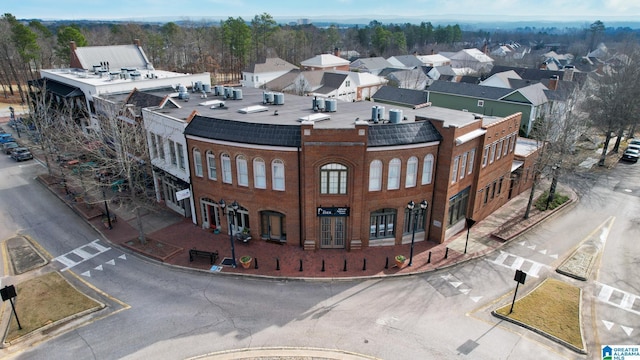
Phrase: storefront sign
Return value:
(333, 211)
(183, 194)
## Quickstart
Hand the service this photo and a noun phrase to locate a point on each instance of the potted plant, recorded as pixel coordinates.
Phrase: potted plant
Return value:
(245, 231)
(400, 261)
(246, 261)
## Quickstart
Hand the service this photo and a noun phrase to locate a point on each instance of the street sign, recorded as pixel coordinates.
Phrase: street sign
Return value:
(520, 276)
(8, 292)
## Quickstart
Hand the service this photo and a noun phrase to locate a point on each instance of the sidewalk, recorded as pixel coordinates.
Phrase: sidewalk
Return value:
(170, 236)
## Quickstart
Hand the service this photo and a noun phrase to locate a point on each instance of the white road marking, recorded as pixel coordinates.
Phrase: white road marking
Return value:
(607, 324)
(519, 263)
(80, 252)
(626, 301)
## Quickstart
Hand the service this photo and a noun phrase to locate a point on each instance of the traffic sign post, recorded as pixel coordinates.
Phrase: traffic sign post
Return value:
(8, 293)
(469, 222)
(519, 278)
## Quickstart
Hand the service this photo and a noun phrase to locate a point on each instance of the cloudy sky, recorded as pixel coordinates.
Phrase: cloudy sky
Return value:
(588, 10)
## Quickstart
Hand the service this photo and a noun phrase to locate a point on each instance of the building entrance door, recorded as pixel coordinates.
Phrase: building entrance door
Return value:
(332, 232)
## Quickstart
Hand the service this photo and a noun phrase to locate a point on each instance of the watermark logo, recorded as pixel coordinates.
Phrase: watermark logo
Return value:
(620, 352)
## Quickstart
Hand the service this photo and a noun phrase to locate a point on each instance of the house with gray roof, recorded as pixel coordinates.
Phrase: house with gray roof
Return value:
(531, 100)
(372, 65)
(260, 73)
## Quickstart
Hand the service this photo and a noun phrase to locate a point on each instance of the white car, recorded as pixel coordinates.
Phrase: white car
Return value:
(631, 155)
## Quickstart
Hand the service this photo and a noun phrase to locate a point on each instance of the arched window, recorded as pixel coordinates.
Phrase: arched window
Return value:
(277, 174)
(375, 175)
(412, 172)
(393, 183)
(427, 169)
(226, 168)
(259, 174)
(333, 179)
(243, 171)
(211, 166)
(197, 162)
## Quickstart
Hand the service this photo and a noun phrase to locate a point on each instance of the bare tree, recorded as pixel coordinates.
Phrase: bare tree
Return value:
(612, 100)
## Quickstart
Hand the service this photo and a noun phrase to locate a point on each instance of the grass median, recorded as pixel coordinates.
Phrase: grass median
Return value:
(552, 308)
(42, 301)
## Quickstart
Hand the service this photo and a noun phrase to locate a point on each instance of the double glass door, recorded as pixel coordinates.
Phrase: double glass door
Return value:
(333, 232)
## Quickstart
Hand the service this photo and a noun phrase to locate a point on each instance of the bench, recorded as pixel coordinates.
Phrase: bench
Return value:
(212, 255)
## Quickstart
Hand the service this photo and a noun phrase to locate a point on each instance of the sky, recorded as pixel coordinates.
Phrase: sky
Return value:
(423, 10)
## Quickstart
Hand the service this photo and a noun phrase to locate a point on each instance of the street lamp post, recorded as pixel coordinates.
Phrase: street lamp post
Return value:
(106, 208)
(234, 207)
(411, 205)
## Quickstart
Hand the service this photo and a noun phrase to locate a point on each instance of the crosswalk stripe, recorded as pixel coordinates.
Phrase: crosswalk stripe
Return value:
(84, 255)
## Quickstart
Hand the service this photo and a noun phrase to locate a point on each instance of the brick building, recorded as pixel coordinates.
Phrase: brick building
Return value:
(342, 178)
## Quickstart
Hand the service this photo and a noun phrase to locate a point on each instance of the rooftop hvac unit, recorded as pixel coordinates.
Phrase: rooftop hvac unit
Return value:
(237, 94)
(331, 105)
(278, 99)
(267, 98)
(135, 75)
(318, 104)
(228, 92)
(395, 116)
(206, 88)
(218, 90)
(114, 75)
(197, 86)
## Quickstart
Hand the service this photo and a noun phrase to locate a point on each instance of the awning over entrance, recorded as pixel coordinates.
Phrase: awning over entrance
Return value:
(516, 164)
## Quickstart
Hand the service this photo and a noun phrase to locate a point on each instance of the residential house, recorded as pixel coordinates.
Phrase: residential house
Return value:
(530, 100)
(372, 65)
(409, 79)
(405, 61)
(325, 62)
(258, 74)
(472, 59)
(401, 97)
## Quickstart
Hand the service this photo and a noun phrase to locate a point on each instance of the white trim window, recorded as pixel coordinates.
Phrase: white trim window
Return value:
(427, 169)
(492, 156)
(160, 142)
(172, 152)
(480, 103)
(499, 150)
(197, 162)
(277, 175)
(375, 175)
(180, 151)
(412, 172)
(485, 156)
(259, 174)
(154, 145)
(393, 178)
(226, 168)
(243, 171)
(211, 166)
(506, 145)
(472, 158)
(463, 165)
(333, 179)
(454, 175)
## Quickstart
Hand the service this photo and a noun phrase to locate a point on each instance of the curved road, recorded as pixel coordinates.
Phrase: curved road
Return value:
(162, 312)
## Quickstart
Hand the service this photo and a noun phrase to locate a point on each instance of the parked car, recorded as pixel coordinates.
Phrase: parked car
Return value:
(631, 155)
(21, 153)
(634, 146)
(6, 137)
(8, 147)
(634, 142)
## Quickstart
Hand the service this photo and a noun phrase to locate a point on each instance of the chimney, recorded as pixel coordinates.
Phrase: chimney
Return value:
(553, 82)
(433, 51)
(336, 52)
(568, 73)
(74, 63)
(136, 42)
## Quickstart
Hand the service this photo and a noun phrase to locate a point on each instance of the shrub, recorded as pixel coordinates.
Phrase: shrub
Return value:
(558, 199)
